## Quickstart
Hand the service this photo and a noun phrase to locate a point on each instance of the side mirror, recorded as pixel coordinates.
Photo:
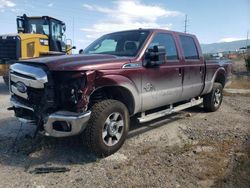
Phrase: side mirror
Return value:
(155, 56)
(81, 51)
(64, 28)
(69, 49)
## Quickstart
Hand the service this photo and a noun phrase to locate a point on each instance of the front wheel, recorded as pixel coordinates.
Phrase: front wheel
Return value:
(107, 128)
(213, 100)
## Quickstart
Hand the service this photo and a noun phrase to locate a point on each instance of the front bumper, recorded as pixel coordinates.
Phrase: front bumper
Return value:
(58, 124)
(75, 123)
(32, 99)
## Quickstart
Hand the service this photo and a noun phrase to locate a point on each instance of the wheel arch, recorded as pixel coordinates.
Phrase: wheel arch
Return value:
(219, 76)
(119, 88)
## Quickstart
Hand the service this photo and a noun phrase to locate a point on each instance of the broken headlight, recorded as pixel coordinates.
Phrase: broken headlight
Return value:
(69, 88)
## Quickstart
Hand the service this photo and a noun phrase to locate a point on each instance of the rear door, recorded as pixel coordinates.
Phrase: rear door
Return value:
(193, 68)
(162, 85)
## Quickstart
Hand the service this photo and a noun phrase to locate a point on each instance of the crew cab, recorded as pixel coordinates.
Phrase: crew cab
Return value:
(145, 73)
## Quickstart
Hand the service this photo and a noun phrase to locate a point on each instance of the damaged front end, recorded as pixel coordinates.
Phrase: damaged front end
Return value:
(55, 101)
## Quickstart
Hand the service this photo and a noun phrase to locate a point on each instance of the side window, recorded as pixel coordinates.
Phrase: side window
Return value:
(167, 40)
(189, 47)
(46, 29)
(56, 31)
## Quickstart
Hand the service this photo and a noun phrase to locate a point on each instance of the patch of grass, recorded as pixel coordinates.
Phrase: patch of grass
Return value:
(146, 150)
(240, 84)
(236, 94)
(187, 147)
(213, 163)
(228, 165)
(238, 175)
(238, 66)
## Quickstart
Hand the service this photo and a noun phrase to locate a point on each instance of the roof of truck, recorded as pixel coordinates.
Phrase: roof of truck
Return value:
(156, 30)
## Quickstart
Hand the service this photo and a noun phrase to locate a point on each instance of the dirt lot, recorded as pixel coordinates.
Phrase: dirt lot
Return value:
(188, 149)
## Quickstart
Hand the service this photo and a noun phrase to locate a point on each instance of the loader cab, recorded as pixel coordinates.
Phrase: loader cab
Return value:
(44, 25)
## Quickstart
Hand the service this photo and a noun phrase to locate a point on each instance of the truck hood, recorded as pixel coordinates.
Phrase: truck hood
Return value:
(81, 62)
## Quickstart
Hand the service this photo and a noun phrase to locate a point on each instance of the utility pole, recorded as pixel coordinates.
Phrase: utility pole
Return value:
(247, 40)
(186, 20)
(73, 31)
(246, 51)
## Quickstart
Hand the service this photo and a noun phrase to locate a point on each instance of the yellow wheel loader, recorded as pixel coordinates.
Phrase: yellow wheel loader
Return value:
(37, 37)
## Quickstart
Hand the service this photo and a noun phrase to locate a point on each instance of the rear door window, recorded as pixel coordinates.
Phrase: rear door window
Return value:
(189, 47)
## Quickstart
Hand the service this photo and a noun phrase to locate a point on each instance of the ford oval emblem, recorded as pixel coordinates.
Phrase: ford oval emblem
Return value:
(21, 87)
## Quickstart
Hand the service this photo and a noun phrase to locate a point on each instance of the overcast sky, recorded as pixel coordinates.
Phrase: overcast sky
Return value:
(211, 20)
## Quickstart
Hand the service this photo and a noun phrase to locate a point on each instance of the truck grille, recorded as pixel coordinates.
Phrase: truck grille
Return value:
(28, 84)
(10, 47)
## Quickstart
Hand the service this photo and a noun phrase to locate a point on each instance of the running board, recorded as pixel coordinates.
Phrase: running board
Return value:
(145, 118)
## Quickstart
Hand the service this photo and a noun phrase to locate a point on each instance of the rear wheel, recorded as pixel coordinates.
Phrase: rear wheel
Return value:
(107, 128)
(212, 101)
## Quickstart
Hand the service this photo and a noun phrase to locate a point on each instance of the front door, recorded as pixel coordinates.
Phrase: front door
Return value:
(162, 85)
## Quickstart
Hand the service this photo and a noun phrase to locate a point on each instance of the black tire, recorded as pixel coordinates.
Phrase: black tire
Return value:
(94, 134)
(212, 101)
(6, 80)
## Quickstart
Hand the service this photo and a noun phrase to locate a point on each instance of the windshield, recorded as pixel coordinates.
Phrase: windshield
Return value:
(38, 26)
(126, 43)
(41, 26)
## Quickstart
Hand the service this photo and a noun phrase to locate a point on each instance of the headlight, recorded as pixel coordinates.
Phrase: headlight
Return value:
(44, 42)
(74, 89)
(69, 86)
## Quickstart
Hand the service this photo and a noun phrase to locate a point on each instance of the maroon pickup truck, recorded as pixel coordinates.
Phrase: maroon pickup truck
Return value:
(145, 73)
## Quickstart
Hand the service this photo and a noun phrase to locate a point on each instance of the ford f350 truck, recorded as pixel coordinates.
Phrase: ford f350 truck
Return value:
(145, 73)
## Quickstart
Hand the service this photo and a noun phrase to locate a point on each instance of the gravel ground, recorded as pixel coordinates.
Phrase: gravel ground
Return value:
(188, 149)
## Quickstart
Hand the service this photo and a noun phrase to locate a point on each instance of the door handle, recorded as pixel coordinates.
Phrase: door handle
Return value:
(201, 70)
(180, 71)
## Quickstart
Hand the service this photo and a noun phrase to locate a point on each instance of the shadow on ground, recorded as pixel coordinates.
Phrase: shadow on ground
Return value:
(24, 151)
(3, 88)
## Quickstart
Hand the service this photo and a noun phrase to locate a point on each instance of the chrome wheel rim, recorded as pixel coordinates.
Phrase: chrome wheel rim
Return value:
(113, 129)
(217, 97)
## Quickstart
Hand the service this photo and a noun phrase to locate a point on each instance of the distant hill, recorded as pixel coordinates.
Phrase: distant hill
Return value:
(223, 46)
